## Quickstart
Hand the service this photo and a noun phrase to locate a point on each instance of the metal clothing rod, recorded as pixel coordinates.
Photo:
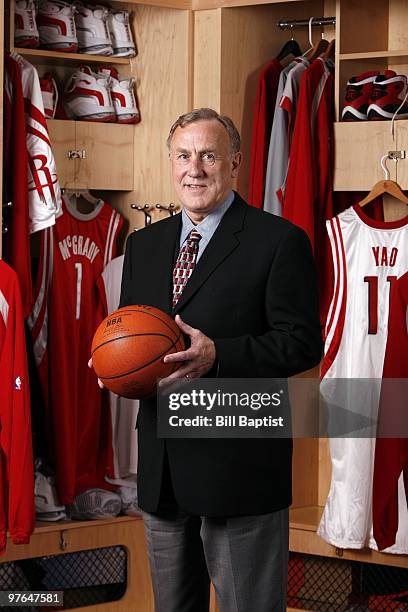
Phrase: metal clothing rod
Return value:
(304, 23)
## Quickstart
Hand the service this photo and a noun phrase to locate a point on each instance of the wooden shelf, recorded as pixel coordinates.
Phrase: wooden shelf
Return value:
(48, 526)
(304, 539)
(199, 5)
(59, 56)
(374, 55)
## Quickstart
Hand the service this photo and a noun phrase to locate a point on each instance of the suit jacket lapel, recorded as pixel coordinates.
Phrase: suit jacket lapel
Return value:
(165, 258)
(224, 241)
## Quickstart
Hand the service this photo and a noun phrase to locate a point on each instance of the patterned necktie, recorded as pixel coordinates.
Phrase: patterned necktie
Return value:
(185, 264)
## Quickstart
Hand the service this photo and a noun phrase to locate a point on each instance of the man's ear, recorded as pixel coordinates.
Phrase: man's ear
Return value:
(236, 164)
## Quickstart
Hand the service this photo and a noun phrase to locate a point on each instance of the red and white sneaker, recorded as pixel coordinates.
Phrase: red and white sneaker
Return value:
(121, 34)
(92, 29)
(358, 95)
(123, 96)
(87, 96)
(49, 92)
(56, 23)
(25, 27)
(389, 93)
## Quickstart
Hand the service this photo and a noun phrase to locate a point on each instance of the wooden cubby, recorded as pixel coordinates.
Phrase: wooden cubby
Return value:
(195, 53)
(371, 36)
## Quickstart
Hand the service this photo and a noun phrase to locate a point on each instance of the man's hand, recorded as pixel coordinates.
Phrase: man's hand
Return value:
(198, 359)
(100, 383)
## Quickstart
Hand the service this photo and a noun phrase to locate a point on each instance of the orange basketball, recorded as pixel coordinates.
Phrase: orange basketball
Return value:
(128, 349)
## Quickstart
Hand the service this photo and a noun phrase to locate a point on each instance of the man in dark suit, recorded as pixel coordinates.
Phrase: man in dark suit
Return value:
(218, 509)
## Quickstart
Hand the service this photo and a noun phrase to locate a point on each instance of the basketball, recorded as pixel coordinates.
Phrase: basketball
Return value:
(128, 349)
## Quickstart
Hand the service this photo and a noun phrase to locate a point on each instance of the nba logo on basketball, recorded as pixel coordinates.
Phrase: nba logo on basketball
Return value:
(113, 321)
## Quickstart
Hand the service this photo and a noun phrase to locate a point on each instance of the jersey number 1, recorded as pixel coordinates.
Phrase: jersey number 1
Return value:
(78, 267)
(373, 300)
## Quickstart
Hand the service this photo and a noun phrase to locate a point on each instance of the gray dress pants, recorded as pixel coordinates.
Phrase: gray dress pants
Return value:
(245, 557)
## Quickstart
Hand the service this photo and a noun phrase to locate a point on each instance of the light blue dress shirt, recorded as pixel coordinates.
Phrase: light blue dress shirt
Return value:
(206, 227)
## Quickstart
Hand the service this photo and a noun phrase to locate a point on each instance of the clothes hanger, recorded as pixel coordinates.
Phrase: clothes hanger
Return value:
(291, 47)
(315, 49)
(385, 186)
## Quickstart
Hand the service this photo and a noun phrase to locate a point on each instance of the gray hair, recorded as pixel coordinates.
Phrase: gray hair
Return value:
(200, 114)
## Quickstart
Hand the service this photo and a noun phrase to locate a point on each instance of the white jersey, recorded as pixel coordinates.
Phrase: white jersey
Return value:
(368, 256)
(44, 193)
(123, 411)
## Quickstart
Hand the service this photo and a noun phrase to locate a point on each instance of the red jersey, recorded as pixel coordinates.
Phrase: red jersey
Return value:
(261, 130)
(65, 316)
(16, 457)
(308, 197)
(16, 241)
(391, 454)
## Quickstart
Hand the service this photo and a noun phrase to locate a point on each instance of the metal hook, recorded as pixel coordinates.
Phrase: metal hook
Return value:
(384, 167)
(310, 31)
(145, 210)
(171, 208)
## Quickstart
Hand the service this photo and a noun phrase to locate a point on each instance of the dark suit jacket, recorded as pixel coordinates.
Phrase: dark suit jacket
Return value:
(254, 293)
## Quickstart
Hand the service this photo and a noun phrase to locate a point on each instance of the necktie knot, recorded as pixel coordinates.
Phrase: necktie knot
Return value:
(194, 236)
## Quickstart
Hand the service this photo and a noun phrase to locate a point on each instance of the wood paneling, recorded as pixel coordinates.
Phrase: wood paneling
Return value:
(207, 59)
(401, 143)
(360, 20)
(62, 136)
(109, 156)
(398, 24)
(163, 73)
(358, 150)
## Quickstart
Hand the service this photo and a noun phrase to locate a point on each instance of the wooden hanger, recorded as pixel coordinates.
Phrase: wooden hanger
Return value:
(330, 51)
(385, 186)
(317, 50)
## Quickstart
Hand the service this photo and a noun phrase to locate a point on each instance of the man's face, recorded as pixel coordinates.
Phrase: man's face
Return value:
(203, 166)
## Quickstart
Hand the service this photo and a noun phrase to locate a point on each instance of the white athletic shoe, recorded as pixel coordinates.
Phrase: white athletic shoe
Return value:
(92, 29)
(56, 23)
(49, 92)
(94, 504)
(128, 496)
(87, 96)
(45, 494)
(25, 27)
(121, 34)
(51, 516)
(123, 96)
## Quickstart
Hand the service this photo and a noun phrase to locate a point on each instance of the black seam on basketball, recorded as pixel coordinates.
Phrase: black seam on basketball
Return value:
(144, 365)
(129, 336)
(151, 315)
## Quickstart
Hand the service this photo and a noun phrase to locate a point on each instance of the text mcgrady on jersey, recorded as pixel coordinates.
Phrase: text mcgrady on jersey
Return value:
(79, 246)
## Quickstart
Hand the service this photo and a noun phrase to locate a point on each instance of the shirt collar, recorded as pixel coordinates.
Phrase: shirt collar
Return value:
(208, 225)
